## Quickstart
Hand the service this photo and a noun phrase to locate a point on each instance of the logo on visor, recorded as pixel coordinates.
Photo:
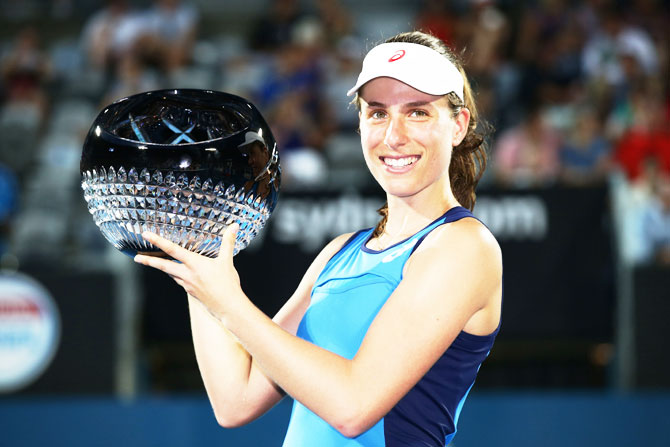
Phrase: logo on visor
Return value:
(398, 54)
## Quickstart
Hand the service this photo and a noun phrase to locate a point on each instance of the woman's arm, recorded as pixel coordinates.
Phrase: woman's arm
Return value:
(238, 390)
(452, 280)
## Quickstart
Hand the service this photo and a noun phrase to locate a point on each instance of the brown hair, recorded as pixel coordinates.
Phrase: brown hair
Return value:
(468, 159)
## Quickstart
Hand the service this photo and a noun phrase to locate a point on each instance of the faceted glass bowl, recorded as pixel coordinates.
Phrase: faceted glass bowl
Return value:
(183, 164)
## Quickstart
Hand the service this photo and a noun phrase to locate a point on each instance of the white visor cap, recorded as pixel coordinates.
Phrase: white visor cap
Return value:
(416, 65)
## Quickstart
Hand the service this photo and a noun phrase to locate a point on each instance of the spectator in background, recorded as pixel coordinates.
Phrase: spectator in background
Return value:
(585, 154)
(527, 155)
(481, 31)
(437, 17)
(656, 223)
(299, 114)
(292, 89)
(25, 70)
(162, 36)
(170, 28)
(556, 72)
(341, 71)
(339, 65)
(601, 54)
(487, 32)
(275, 26)
(539, 25)
(646, 135)
(561, 55)
(336, 21)
(149, 45)
(130, 77)
(108, 34)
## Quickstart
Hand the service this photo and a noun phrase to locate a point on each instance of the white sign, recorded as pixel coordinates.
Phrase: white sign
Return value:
(29, 331)
(313, 223)
(519, 218)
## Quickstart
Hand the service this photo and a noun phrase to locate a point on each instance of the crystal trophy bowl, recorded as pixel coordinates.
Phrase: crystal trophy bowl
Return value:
(184, 164)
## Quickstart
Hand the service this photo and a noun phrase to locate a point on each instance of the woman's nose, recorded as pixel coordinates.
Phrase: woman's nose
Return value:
(396, 134)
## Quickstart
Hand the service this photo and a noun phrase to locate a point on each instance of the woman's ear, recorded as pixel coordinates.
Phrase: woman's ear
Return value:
(462, 121)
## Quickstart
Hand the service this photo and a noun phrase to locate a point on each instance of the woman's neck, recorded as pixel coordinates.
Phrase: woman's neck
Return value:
(406, 216)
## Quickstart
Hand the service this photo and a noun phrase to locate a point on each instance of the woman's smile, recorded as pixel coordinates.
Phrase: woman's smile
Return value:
(399, 164)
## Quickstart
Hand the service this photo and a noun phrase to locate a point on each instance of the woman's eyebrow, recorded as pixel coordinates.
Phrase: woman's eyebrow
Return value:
(376, 104)
(417, 103)
(408, 104)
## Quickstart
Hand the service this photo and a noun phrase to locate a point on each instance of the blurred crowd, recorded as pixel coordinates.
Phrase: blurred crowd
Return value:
(577, 93)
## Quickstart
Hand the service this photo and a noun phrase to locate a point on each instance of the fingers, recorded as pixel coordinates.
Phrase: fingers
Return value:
(170, 248)
(179, 281)
(228, 240)
(174, 269)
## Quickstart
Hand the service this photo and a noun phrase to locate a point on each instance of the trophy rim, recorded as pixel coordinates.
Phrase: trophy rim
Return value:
(230, 98)
(104, 148)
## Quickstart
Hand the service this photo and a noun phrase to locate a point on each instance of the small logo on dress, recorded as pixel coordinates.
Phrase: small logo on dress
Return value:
(391, 256)
(397, 55)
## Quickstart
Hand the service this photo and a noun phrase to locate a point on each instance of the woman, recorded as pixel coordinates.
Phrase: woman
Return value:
(382, 339)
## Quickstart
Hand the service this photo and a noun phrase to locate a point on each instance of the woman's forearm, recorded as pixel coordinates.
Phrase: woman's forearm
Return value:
(238, 394)
(318, 378)
(241, 352)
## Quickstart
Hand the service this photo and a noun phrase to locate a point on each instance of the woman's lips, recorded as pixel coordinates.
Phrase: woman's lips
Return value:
(400, 164)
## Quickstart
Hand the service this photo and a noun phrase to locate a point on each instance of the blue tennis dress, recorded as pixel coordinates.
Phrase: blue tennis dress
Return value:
(351, 289)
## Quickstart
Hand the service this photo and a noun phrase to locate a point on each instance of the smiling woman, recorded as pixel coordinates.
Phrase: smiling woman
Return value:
(468, 161)
(384, 336)
(407, 138)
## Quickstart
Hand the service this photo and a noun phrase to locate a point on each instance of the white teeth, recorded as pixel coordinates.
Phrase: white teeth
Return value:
(399, 162)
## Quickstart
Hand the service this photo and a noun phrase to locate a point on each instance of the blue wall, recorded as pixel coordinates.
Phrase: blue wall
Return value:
(488, 419)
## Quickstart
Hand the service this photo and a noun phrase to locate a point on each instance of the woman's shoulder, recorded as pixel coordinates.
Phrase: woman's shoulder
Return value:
(464, 258)
(465, 238)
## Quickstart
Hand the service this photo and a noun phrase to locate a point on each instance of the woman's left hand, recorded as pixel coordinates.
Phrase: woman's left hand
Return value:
(207, 279)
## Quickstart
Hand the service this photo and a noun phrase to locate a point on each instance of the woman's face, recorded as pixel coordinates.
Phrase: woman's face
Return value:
(407, 136)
